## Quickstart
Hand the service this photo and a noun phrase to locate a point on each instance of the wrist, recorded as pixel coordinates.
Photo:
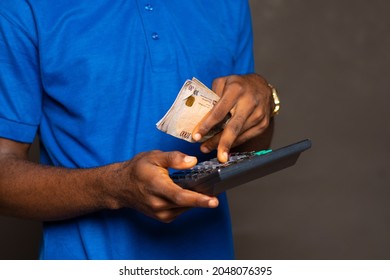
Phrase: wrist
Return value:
(107, 184)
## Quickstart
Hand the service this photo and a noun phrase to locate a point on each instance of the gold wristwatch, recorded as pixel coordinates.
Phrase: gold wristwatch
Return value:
(276, 100)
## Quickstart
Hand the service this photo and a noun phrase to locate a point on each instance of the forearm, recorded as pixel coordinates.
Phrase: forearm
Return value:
(34, 191)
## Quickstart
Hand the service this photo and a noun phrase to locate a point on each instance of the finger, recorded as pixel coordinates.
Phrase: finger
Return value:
(256, 123)
(219, 112)
(217, 116)
(236, 125)
(163, 210)
(218, 85)
(164, 188)
(211, 144)
(171, 196)
(176, 160)
(187, 198)
(251, 129)
(250, 133)
(167, 216)
(180, 197)
(231, 89)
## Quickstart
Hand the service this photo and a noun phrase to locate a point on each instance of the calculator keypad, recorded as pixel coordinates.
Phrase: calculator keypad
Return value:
(207, 167)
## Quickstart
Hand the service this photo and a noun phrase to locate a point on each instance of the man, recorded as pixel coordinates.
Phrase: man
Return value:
(92, 78)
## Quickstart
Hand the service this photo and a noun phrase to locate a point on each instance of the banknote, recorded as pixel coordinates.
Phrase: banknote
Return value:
(192, 103)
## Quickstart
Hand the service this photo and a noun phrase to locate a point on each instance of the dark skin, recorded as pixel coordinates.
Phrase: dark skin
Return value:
(248, 99)
(34, 191)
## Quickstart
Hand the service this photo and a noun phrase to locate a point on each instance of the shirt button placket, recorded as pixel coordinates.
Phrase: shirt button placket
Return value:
(149, 8)
(156, 29)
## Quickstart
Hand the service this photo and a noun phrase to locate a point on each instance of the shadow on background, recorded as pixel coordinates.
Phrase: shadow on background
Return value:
(330, 61)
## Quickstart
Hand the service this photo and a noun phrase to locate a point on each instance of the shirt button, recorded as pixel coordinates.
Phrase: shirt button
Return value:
(155, 36)
(149, 7)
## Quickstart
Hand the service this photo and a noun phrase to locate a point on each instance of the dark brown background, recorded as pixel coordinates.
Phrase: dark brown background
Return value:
(330, 61)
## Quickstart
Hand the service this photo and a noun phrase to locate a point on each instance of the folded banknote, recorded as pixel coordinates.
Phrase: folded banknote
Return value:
(192, 103)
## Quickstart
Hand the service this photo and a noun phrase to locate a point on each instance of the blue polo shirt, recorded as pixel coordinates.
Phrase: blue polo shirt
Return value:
(92, 78)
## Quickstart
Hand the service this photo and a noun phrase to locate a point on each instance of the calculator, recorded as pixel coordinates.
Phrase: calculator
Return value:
(212, 177)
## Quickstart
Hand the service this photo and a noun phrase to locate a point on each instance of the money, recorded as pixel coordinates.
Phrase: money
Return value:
(192, 103)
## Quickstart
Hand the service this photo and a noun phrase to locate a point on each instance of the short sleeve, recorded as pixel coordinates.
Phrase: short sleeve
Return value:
(20, 86)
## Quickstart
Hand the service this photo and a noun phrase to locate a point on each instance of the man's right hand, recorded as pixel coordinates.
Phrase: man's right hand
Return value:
(34, 191)
(143, 183)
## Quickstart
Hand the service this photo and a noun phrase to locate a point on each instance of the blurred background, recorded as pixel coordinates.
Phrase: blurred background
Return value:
(329, 61)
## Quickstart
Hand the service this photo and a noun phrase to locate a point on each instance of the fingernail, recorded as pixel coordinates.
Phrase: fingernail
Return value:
(189, 159)
(213, 203)
(205, 149)
(197, 136)
(224, 156)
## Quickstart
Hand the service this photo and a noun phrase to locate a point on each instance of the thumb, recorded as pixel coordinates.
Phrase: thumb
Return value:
(178, 160)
